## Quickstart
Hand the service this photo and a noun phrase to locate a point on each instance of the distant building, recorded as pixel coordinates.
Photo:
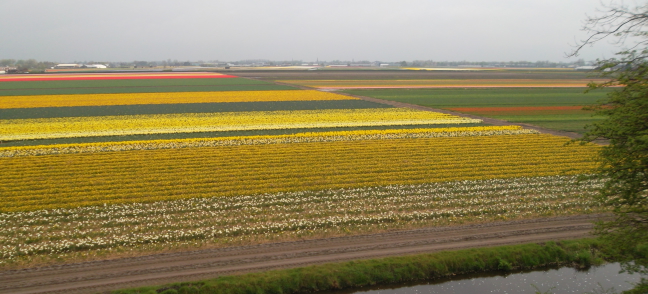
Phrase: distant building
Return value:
(13, 70)
(94, 66)
(67, 65)
(586, 67)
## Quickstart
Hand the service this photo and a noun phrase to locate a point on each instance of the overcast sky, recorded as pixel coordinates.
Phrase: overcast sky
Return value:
(375, 30)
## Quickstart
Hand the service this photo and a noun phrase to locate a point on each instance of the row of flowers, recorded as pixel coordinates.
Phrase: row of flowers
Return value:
(110, 76)
(70, 127)
(268, 139)
(275, 214)
(72, 180)
(165, 98)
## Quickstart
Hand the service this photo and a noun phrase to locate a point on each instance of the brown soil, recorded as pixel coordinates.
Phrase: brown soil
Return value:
(98, 276)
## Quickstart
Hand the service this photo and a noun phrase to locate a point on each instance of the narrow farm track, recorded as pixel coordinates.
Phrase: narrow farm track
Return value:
(99, 276)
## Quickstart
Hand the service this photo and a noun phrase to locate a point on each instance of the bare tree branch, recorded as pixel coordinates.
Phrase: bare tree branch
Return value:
(618, 21)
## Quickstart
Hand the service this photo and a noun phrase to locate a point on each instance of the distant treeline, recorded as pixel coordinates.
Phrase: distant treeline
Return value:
(26, 64)
(432, 63)
(33, 64)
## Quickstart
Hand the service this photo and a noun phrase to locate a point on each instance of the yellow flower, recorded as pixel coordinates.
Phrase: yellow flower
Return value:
(70, 127)
(165, 98)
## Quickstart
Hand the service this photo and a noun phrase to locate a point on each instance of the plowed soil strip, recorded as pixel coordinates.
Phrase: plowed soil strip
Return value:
(92, 277)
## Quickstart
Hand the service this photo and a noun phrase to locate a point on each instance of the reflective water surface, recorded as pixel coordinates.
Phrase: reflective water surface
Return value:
(600, 279)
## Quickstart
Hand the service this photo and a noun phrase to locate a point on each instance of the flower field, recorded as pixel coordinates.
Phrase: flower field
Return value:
(179, 108)
(52, 85)
(164, 98)
(111, 76)
(249, 161)
(278, 215)
(71, 180)
(259, 140)
(23, 129)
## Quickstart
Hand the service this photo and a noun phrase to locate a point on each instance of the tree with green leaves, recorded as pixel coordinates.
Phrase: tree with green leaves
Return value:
(624, 160)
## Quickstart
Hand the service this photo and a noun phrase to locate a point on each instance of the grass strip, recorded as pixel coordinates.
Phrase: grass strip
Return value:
(570, 122)
(115, 110)
(353, 274)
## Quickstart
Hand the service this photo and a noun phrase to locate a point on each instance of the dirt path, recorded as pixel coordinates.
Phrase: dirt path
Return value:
(92, 277)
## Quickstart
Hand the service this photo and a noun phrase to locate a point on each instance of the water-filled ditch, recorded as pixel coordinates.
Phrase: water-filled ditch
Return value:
(599, 279)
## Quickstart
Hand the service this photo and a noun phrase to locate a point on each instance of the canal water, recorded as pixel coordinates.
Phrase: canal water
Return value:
(599, 279)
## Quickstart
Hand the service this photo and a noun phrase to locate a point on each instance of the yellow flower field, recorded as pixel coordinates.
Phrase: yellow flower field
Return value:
(70, 127)
(43, 233)
(269, 139)
(73, 180)
(165, 98)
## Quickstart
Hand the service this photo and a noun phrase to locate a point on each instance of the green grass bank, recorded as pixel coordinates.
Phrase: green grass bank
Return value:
(353, 274)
